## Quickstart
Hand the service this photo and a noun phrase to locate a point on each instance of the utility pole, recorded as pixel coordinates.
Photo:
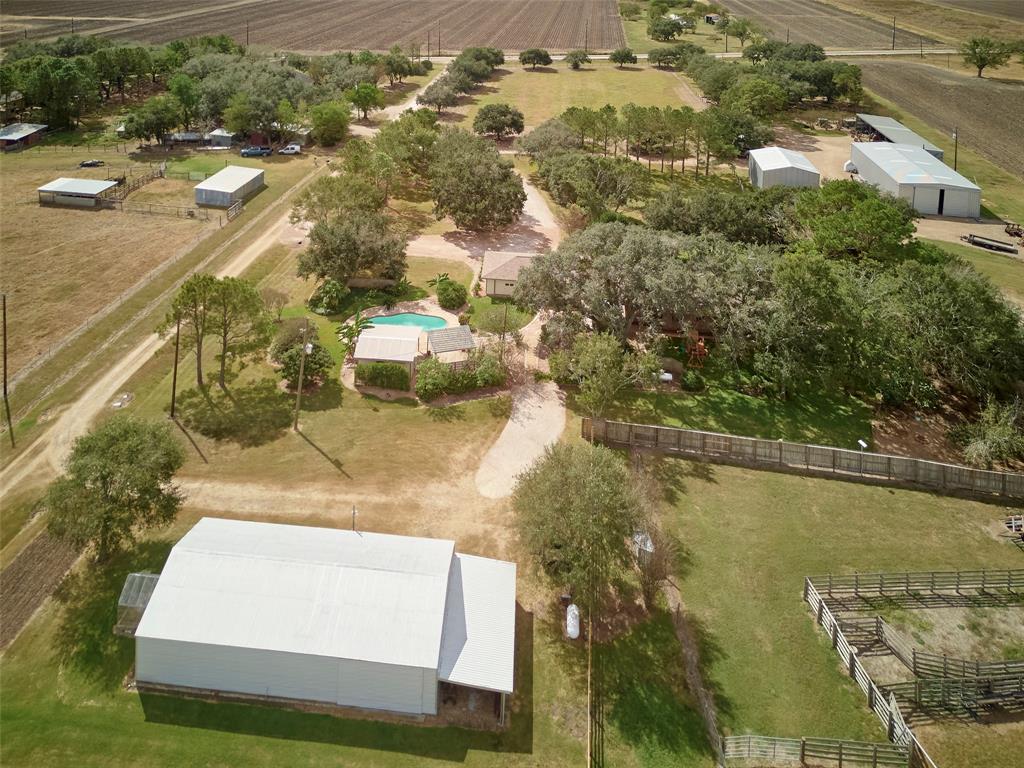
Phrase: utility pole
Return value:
(438, 37)
(894, 33)
(353, 517)
(586, 36)
(787, 35)
(174, 376)
(247, 34)
(302, 368)
(956, 151)
(7, 403)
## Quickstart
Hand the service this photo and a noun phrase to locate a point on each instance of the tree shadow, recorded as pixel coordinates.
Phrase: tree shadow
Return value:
(251, 415)
(446, 413)
(84, 640)
(326, 396)
(542, 70)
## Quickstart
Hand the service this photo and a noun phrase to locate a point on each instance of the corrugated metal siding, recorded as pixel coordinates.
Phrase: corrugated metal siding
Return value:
(286, 675)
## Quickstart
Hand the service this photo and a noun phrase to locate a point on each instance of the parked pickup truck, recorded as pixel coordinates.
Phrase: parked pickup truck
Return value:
(291, 149)
(257, 151)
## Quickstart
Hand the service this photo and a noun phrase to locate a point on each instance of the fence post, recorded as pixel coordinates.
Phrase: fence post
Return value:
(835, 632)
(703, 443)
(807, 457)
(803, 750)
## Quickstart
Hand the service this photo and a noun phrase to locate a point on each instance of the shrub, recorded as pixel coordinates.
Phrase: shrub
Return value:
(434, 378)
(489, 372)
(576, 59)
(451, 294)
(318, 362)
(431, 379)
(386, 375)
(692, 381)
(289, 336)
(329, 297)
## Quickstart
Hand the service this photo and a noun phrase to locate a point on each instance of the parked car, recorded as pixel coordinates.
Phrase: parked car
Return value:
(291, 149)
(91, 164)
(263, 151)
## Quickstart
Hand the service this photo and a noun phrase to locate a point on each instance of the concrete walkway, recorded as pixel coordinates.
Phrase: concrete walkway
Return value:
(537, 421)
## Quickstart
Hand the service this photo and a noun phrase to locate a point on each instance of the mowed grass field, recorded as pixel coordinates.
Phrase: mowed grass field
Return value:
(62, 265)
(703, 35)
(749, 538)
(548, 91)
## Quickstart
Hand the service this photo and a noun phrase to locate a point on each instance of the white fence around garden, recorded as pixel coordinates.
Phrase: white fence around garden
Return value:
(807, 459)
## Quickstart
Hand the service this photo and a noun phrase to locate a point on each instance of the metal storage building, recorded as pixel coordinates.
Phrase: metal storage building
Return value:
(20, 135)
(780, 167)
(895, 132)
(78, 193)
(229, 186)
(928, 184)
(315, 614)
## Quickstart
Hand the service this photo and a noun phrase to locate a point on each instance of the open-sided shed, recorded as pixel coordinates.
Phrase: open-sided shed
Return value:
(914, 174)
(77, 193)
(780, 167)
(345, 617)
(229, 186)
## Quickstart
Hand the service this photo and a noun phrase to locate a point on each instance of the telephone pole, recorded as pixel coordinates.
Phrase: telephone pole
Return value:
(7, 403)
(894, 33)
(302, 367)
(247, 34)
(586, 36)
(956, 150)
(174, 376)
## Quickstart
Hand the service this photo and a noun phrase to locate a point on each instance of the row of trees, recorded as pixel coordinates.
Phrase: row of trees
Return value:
(854, 303)
(463, 75)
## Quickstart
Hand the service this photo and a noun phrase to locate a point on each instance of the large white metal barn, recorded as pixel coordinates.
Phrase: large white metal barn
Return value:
(910, 172)
(781, 167)
(350, 618)
(228, 186)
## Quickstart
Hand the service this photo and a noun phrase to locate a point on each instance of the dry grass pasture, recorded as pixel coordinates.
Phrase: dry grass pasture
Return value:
(327, 25)
(947, 20)
(62, 265)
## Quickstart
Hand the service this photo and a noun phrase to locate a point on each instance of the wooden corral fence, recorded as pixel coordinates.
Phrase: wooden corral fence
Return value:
(884, 706)
(800, 751)
(159, 209)
(127, 185)
(958, 694)
(916, 582)
(235, 209)
(187, 175)
(807, 459)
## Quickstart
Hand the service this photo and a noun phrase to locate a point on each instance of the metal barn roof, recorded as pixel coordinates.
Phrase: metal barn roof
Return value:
(87, 187)
(231, 179)
(478, 643)
(897, 132)
(18, 131)
(769, 158)
(454, 339)
(400, 343)
(907, 164)
(326, 592)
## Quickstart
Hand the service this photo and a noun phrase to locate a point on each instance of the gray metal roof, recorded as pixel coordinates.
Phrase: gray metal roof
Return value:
(897, 132)
(230, 179)
(770, 158)
(452, 339)
(17, 131)
(86, 187)
(907, 164)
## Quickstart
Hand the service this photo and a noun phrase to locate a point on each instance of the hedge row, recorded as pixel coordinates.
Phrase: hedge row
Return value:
(385, 375)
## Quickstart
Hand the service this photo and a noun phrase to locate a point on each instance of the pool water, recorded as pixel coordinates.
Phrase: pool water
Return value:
(426, 322)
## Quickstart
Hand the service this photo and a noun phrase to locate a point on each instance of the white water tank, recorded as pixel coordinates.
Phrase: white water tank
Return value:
(572, 622)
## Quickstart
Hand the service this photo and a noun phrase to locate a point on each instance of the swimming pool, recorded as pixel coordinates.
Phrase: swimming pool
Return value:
(426, 322)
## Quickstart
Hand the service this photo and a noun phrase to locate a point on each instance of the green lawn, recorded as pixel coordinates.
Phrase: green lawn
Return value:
(493, 315)
(821, 418)
(1002, 269)
(704, 35)
(548, 91)
(749, 538)
(422, 269)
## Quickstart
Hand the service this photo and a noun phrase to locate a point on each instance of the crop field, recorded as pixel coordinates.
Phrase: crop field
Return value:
(328, 25)
(985, 111)
(62, 265)
(948, 20)
(808, 21)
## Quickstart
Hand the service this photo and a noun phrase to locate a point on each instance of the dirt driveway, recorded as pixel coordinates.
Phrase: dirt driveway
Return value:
(828, 153)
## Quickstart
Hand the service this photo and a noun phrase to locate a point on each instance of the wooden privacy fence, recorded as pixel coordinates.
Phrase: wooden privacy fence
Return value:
(884, 706)
(916, 582)
(807, 459)
(799, 751)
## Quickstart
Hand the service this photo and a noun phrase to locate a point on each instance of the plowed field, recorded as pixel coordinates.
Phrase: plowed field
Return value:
(29, 580)
(328, 25)
(807, 21)
(986, 112)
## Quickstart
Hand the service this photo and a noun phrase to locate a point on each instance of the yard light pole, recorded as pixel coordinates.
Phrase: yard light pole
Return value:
(306, 349)
(7, 403)
(174, 376)
(956, 145)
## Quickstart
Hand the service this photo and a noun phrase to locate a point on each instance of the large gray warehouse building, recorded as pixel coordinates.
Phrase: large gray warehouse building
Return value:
(346, 617)
(229, 186)
(924, 181)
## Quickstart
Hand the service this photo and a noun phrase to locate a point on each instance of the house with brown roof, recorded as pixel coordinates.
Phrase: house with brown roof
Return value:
(500, 272)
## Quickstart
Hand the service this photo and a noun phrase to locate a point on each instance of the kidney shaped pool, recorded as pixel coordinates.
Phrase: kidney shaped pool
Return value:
(426, 322)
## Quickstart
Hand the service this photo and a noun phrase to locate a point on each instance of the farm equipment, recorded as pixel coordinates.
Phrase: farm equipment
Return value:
(987, 242)
(1014, 230)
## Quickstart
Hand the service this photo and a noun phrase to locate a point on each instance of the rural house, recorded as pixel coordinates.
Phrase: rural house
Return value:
(349, 618)
(500, 272)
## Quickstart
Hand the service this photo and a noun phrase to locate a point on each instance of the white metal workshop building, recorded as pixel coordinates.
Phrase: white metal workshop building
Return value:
(317, 614)
(229, 186)
(780, 167)
(913, 173)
